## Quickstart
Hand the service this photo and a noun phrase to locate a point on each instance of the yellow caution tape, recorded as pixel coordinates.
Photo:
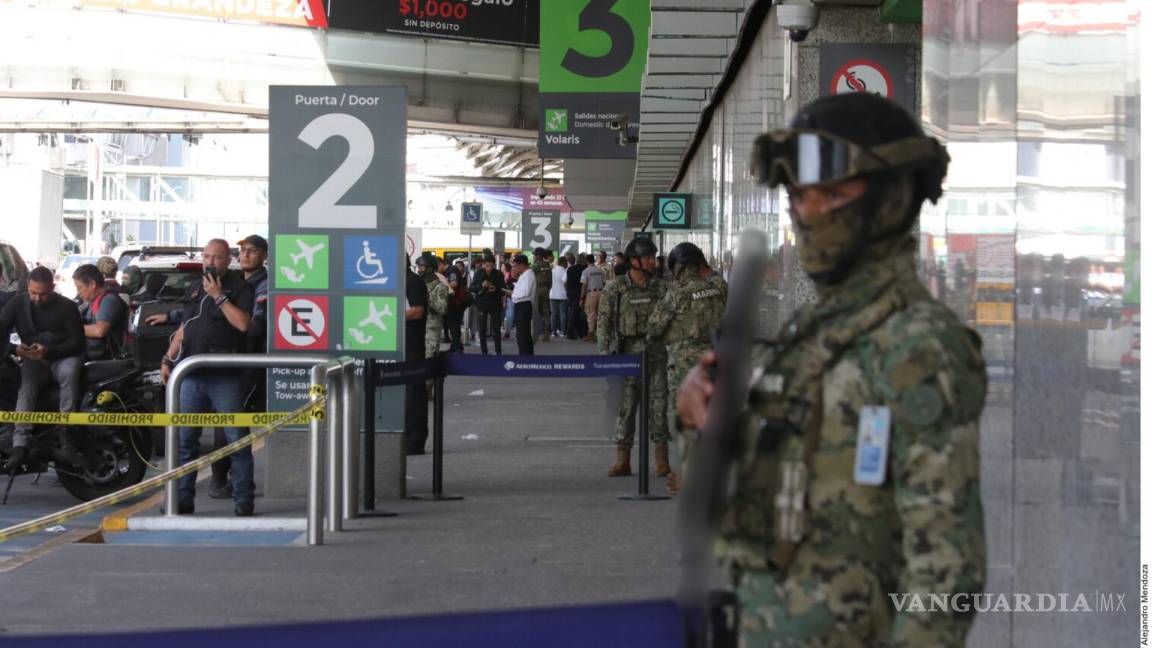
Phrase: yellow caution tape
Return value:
(152, 483)
(317, 390)
(134, 419)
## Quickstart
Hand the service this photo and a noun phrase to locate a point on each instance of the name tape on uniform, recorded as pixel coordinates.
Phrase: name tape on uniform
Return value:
(240, 419)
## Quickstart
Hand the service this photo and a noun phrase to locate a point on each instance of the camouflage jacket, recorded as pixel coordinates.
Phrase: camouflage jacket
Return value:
(839, 548)
(438, 294)
(625, 310)
(543, 272)
(687, 316)
(716, 279)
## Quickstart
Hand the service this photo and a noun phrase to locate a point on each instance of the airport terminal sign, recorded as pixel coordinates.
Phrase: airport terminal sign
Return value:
(540, 228)
(592, 58)
(603, 230)
(336, 216)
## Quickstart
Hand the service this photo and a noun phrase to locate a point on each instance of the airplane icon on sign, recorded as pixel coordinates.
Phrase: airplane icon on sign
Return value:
(306, 252)
(375, 317)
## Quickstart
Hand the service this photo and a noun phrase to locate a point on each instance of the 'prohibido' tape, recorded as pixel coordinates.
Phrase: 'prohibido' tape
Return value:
(141, 419)
(152, 483)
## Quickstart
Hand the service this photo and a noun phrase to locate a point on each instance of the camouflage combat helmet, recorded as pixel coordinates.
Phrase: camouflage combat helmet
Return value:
(685, 255)
(640, 247)
(856, 136)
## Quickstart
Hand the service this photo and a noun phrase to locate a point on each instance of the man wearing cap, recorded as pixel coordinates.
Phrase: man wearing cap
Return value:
(253, 255)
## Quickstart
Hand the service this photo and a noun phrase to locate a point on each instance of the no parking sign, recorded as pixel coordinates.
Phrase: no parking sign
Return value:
(885, 70)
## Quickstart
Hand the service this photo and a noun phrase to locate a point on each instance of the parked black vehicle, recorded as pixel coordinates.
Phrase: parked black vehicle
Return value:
(91, 461)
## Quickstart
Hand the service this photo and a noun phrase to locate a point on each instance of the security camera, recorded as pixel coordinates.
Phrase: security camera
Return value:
(541, 192)
(619, 122)
(797, 17)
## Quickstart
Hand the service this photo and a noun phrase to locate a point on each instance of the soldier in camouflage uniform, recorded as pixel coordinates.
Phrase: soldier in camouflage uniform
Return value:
(438, 295)
(684, 322)
(626, 306)
(542, 304)
(857, 470)
(715, 278)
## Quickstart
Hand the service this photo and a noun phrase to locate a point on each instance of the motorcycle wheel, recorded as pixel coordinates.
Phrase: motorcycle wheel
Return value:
(115, 463)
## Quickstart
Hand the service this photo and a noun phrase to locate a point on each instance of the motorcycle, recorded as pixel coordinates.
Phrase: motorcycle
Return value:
(90, 460)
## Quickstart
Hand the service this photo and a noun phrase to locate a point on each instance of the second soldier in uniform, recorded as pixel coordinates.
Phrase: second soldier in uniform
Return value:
(626, 307)
(685, 322)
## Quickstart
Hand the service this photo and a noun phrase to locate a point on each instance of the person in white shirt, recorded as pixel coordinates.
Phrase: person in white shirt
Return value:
(559, 298)
(523, 293)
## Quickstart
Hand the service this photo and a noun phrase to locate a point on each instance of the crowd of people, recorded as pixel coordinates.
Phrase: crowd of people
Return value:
(223, 313)
(640, 301)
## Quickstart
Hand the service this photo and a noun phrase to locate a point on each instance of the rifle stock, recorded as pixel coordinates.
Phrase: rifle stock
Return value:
(703, 494)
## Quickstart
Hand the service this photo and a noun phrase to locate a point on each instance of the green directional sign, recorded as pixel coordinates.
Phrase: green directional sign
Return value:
(593, 45)
(592, 59)
(369, 323)
(301, 262)
(605, 229)
(673, 210)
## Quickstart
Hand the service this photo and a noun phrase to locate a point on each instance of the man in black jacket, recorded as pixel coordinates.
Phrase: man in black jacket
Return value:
(488, 286)
(415, 398)
(217, 315)
(51, 348)
(577, 327)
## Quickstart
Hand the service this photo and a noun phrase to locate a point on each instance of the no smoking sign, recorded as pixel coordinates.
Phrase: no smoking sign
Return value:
(301, 322)
(862, 76)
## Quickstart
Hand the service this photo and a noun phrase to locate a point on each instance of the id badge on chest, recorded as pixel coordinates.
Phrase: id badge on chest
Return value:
(872, 438)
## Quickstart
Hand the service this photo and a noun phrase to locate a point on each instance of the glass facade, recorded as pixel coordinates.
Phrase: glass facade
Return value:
(1035, 244)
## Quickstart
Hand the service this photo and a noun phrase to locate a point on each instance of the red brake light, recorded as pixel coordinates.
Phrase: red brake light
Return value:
(190, 266)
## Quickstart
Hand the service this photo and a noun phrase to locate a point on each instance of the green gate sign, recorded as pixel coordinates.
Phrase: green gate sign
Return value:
(592, 59)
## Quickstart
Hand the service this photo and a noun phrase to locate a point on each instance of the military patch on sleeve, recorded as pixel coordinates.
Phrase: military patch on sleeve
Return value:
(921, 405)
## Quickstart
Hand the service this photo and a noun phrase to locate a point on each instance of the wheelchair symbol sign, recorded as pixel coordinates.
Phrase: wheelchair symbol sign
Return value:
(370, 263)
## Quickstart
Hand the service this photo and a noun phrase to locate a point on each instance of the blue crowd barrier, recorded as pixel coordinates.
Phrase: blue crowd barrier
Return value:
(652, 624)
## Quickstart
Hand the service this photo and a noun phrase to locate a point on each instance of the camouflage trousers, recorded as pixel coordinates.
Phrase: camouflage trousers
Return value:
(842, 608)
(542, 315)
(680, 363)
(630, 400)
(432, 332)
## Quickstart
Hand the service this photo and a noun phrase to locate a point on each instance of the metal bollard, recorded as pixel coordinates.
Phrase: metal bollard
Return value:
(335, 487)
(315, 467)
(351, 432)
(645, 417)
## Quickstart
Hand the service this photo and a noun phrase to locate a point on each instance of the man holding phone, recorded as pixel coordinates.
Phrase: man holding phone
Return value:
(488, 286)
(216, 318)
(51, 347)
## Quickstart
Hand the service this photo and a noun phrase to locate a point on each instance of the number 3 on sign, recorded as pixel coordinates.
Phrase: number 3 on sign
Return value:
(541, 237)
(321, 208)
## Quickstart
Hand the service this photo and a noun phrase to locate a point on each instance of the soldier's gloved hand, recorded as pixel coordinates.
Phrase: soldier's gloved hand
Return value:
(692, 402)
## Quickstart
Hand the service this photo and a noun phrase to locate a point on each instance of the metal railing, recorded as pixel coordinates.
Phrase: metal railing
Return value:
(337, 375)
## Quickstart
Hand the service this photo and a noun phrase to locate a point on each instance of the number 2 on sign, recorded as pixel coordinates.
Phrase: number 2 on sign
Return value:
(541, 237)
(321, 208)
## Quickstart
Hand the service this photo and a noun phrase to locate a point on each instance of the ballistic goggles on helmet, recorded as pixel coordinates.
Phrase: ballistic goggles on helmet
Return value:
(800, 158)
